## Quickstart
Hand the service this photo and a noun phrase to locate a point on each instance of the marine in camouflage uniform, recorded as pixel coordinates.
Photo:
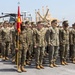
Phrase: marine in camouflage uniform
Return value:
(12, 43)
(29, 41)
(5, 41)
(33, 27)
(72, 43)
(46, 27)
(0, 41)
(53, 43)
(39, 44)
(64, 43)
(22, 49)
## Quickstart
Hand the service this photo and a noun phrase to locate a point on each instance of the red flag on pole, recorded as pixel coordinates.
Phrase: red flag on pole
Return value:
(19, 21)
(18, 27)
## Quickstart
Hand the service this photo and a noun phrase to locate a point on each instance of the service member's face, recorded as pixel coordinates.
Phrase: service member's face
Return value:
(54, 24)
(39, 26)
(5, 25)
(65, 26)
(30, 26)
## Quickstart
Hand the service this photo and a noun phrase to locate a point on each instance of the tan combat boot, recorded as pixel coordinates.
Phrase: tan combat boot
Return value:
(13, 61)
(38, 67)
(62, 63)
(6, 58)
(65, 63)
(54, 64)
(51, 65)
(23, 69)
(28, 63)
(3, 58)
(42, 67)
(19, 69)
(74, 61)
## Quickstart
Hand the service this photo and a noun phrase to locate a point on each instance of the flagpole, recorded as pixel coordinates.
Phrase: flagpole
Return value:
(18, 38)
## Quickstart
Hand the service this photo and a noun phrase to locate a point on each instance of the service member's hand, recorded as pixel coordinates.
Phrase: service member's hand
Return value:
(35, 46)
(16, 49)
(50, 44)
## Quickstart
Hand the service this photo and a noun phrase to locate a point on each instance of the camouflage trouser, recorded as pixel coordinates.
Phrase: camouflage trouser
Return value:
(71, 51)
(33, 52)
(13, 52)
(53, 53)
(0, 49)
(12, 47)
(5, 47)
(39, 55)
(18, 57)
(64, 51)
(30, 51)
(21, 57)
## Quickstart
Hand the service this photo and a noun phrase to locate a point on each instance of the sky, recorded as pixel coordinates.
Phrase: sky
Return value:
(61, 9)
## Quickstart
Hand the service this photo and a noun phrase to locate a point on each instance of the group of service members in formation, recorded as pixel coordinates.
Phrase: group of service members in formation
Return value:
(37, 41)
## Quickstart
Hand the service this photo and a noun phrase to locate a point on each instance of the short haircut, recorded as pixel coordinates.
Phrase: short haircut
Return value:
(39, 22)
(27, 22)
(64, 22)
(53, 21)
